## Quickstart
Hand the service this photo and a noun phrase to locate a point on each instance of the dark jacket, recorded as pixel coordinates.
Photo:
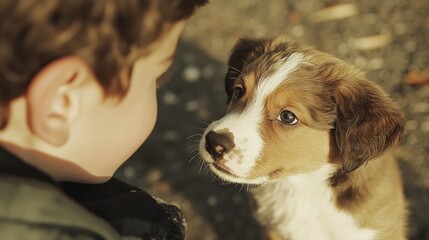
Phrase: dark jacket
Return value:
(33, 206)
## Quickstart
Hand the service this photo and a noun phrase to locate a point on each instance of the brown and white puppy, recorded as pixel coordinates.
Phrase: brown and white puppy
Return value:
(301, 127)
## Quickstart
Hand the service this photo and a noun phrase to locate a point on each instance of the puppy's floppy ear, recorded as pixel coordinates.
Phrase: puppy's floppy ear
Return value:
(368, 122)
(239, 54)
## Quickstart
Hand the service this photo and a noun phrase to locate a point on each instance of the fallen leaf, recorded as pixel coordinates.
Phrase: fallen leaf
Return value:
(371, 42)
(336, 12)
(417, 78)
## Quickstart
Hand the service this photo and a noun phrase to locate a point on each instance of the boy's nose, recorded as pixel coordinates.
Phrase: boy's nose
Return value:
(218, 144)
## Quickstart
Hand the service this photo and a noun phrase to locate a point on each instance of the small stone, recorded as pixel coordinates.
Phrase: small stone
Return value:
(191, 106)
(170, 98)
(171, 136)
(154, 176)
(129, 172)
(212, 201)
(191, 74)
(162, 187)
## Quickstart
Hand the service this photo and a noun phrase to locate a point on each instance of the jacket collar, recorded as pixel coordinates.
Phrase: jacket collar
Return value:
(12, 165)
(37, 203)
(49, 205)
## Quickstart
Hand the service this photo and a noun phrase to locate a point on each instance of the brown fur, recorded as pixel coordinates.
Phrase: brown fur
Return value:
(344, 119)
(373, 195)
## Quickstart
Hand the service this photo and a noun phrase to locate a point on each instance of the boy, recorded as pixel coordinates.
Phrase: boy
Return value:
(78, 83)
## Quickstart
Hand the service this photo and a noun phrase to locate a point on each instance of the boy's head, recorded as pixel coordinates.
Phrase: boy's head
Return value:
(78, 79)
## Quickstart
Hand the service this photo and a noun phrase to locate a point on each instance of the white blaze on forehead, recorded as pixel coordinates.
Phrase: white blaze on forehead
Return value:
(245, 125)
(267, 85)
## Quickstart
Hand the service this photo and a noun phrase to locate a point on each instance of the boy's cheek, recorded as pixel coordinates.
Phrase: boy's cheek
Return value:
(145, 115)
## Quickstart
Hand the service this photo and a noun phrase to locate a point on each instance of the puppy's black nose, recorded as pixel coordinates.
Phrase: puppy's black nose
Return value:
(218, 144)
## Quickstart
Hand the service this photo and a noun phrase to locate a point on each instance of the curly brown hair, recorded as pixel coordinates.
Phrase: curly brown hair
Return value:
(108, 34)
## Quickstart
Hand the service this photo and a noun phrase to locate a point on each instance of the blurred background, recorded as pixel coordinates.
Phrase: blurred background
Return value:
(387, 38)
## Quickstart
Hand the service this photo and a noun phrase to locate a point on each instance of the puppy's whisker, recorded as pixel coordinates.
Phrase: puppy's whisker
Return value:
(194, 150)
(193, 147)
(196, 155)
(235, 69)
(231, 68)
(200, 129)
(241, 188)
(202, 164)
(195, 135)
(205, 123)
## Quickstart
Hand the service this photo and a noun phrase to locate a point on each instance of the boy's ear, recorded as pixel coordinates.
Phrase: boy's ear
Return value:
(239, 55)
(52, 99)
(368, 122)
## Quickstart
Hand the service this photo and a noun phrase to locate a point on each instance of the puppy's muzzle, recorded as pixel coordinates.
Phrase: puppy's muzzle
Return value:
(218, 144)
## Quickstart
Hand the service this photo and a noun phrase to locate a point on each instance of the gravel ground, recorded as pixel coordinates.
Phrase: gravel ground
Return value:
(387, 38)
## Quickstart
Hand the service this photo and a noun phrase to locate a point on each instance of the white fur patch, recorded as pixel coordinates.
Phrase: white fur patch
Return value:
(245, 126)
(248, 143)
(302, 207)
(286, 67)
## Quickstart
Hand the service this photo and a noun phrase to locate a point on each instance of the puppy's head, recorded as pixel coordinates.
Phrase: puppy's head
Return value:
(292, 110)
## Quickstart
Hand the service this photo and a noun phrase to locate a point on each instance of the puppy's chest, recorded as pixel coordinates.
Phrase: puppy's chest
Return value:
(305, 210)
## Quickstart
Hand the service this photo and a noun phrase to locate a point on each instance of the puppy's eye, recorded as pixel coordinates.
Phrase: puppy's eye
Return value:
(287, 117)
(237, 92)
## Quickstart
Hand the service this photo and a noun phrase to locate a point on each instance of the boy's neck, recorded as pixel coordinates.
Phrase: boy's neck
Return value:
(57, 169)
(10, 164)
